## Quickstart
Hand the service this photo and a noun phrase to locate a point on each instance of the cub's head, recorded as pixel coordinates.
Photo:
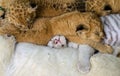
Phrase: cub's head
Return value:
(90, 27)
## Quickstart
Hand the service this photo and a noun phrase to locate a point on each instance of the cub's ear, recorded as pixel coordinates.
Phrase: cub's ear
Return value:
(32, 8)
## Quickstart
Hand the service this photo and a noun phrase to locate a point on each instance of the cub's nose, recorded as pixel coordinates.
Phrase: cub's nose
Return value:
(62, 45)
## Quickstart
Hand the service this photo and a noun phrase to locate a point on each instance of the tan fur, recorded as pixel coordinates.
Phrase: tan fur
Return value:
(1, 12)
(20, 14)
(48, 8)
(98, 6)
(5, 3)
(82, 28)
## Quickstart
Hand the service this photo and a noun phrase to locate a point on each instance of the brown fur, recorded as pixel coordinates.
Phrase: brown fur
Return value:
(1, 12)
(5, 3)
(102, 7)
(50, 8)
(82, 28)
(20, 14)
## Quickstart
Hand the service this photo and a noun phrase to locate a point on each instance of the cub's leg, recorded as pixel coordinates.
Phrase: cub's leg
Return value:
(85, 52)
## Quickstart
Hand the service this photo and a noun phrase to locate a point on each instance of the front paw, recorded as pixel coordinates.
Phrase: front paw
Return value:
(83, 67)
(109, 49)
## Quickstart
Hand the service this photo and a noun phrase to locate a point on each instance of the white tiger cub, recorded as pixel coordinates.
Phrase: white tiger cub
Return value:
(84, 51)
(111, 24)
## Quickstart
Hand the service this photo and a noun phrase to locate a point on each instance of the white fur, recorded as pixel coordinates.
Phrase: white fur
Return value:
(84, 54)
(34, 60)
(73, 45)
(7, 45)
(84, 58)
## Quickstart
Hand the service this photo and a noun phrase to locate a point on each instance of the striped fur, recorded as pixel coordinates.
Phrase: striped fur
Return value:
(111, 24)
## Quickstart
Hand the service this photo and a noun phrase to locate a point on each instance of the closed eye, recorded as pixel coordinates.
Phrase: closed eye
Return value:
(81, 27)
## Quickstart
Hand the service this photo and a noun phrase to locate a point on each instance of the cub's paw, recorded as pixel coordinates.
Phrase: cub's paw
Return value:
(83, 67)
(58, 41)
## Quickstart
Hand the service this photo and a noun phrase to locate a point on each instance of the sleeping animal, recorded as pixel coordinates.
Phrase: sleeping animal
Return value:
(111, 24)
